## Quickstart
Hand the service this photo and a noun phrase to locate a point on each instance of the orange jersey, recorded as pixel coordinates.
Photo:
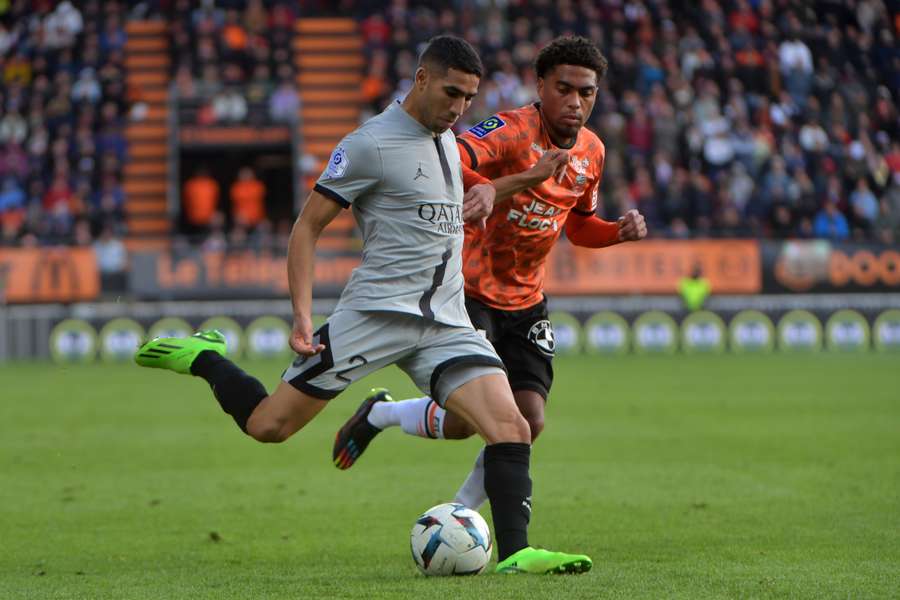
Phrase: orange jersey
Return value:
(504, 264)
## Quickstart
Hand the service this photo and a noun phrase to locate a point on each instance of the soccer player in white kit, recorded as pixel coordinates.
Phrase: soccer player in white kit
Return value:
(401, 174)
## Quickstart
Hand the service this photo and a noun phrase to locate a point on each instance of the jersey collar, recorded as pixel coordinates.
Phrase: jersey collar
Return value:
(546, 132)
(397, 107)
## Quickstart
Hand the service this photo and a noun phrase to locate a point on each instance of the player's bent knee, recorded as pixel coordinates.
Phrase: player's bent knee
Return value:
(266, 430)
(536, 425)
(523, 430)
(509, 427)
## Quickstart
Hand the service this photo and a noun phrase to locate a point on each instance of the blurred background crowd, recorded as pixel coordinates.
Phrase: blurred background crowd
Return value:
(740, 118)
(721, 118)
(62, 108)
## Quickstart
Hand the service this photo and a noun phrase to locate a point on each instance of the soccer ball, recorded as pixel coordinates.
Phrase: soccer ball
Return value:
(450, 539)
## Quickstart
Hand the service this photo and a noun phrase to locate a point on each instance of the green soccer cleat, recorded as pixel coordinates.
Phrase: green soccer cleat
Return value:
(353, 438)
(542, 562)
(178, 354)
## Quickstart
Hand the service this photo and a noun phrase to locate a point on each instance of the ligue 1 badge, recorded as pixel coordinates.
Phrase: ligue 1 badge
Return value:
(338, 163)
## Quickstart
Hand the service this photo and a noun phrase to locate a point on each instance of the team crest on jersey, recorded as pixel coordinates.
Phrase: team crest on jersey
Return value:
(338, 163)
(489, 125)
(541, 335)
(580, 166)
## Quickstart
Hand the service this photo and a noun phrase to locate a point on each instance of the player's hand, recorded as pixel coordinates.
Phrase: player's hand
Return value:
(478, 203)
(302, 335)
(551, 164)
(632, 226)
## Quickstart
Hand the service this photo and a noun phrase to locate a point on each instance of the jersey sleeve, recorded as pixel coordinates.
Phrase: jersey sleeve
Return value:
(471, 177)
(488, 142)
(587, 203)
(353, 169)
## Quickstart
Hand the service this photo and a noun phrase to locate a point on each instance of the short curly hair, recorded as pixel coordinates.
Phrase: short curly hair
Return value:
(571, 50)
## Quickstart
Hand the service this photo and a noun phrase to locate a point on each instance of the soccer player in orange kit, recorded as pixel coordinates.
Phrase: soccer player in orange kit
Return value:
(546, 167)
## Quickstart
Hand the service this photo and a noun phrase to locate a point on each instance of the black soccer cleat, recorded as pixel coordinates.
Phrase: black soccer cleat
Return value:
(353, 438)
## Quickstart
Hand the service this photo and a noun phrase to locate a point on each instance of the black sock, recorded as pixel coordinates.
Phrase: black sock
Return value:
(237, 393)
(508, 487)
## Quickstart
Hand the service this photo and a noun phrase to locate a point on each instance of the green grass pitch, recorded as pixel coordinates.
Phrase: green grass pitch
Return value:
(683, 477)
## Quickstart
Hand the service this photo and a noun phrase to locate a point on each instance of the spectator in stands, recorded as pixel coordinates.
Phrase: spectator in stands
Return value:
(260, 85)
(207, 19)
(111, 141)
(59, 108)
(256, 18)
(374, 84)
(831, 223)
(864, 205)
(210, 83)
(887, 226)
(86, 87)
(200, 201)
(639, 133)
(13, 128)
(17, 70)
(63, 25)
(184, 82)
(12, 209)
(234, 36)
(113, 36)
(107, 204)
(216, 241)
(782, 222)
(229, 106)
(112, 259)
(13, 161)
(8, 37)
(60, 207)
(248, 199)
(284, 103)
(795, 62)
(81, 233)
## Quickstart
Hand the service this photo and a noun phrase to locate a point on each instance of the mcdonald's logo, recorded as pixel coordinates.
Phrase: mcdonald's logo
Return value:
(34, 275)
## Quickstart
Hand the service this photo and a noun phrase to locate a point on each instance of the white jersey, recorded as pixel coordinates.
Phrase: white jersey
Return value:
(404, 184)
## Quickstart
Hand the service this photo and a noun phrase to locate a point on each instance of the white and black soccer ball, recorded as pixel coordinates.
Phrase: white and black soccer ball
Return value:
(450, 539)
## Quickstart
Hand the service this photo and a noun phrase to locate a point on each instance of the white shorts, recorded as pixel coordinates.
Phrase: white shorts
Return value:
(438, 358)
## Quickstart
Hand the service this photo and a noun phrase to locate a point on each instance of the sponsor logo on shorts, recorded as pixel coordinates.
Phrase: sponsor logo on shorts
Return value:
(541, 335)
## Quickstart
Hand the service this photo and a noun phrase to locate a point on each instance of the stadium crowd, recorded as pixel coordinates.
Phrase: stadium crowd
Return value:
(771, 118)
(233, 61)
(62, 108)
(721, 118)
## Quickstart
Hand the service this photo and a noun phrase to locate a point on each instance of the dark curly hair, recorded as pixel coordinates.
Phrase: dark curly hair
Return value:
(574, 50)
(450, 52)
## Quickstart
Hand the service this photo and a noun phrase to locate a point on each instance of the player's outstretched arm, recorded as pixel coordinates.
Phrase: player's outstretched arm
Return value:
(632, 227)
(318, 212)
(591, 231)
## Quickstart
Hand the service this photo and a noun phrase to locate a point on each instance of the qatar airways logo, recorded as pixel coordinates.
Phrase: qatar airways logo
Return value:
(446, 218)
(537, 216)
